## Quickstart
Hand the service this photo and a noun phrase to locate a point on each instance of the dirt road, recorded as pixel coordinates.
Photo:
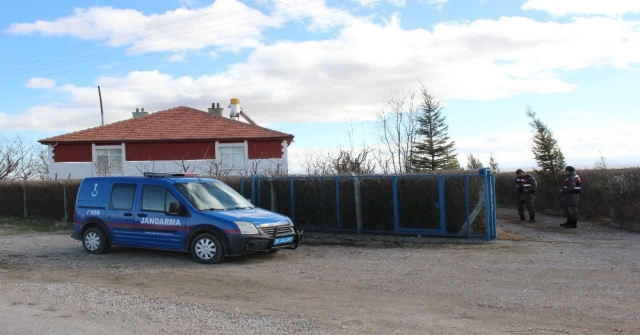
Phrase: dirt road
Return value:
(535, 279)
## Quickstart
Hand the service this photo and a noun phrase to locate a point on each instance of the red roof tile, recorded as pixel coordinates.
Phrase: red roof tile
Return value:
(180, 123)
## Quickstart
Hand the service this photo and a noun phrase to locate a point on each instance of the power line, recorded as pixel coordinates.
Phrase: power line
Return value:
(183, 47)
(119, 36)
(138, 48)
(208, 41)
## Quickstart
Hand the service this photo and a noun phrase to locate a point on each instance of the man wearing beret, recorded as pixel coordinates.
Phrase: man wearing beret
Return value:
(569, 195)
(526, 187)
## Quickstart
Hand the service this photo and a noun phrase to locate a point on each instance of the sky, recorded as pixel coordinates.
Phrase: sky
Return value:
(317, 69)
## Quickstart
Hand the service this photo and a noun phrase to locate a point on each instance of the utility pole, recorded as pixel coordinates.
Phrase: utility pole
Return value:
(101, 110)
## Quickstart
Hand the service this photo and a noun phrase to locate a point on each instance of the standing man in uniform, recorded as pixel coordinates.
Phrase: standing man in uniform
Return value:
(569, 195)
(526, 187)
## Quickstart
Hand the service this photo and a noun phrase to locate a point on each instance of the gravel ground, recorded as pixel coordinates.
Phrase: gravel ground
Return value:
(536, 278)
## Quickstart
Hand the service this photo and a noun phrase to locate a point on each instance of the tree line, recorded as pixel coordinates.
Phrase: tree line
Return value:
(409, 125)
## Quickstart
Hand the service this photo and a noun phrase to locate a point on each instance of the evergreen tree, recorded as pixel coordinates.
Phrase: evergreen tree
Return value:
(493, 164)
(473, 163)
(434, 150)
(546, 150)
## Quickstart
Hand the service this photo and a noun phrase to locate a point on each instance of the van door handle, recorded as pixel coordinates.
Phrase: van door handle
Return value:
(142, 215)
(128, 214)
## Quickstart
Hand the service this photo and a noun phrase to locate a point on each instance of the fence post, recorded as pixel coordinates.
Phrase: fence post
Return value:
(488, 181)
(442, 203)
(24, 199)
(337, 185)
(273, 194)
(356, 189)
(64, 194)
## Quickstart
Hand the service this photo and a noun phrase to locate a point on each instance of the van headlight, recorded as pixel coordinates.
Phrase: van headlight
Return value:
(246, 227)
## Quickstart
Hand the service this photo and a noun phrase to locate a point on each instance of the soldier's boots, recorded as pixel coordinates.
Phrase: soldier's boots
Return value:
(566, 223)
(572, 224)
(532, 218)
(522, 218)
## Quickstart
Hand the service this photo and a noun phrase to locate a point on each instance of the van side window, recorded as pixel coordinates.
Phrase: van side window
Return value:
(122, 197)
(156, 198)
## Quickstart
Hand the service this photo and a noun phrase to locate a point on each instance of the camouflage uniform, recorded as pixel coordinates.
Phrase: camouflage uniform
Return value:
(526, 187)
(570, 195)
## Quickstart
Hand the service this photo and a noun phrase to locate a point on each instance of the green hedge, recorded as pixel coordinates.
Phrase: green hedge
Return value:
(607, 195)
(43, 199)
(418, 200)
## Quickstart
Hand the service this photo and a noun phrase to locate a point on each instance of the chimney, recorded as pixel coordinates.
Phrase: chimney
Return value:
(139, 112)
(215, 109)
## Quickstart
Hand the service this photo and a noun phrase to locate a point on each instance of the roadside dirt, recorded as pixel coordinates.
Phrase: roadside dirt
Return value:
(536, 278)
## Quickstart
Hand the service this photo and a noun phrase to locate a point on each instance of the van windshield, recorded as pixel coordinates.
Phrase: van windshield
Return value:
(212, 196)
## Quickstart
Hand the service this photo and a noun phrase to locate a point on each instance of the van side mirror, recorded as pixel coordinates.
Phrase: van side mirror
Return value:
(175, 208)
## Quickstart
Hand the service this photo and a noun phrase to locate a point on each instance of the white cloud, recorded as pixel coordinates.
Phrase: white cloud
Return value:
(321, 80)
(52, 118)
(583, 144)
(438, 3)
(40, 82)
(177, 58)
(584, 7)
(228, 23)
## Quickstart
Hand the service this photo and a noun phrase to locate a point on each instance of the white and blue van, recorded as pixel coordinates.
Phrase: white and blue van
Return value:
(177, 212)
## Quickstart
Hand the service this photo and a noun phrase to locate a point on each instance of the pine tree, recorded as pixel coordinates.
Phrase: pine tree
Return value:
(435, 150)
(546, 150)
(493, 164)
(473, 163)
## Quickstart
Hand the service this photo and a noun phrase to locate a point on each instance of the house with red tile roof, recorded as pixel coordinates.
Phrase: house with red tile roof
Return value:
(180, 139)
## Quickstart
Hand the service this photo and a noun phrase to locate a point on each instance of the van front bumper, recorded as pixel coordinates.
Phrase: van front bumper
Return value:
(243, 244)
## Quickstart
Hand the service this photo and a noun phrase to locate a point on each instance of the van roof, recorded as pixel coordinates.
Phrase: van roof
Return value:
(168, 177)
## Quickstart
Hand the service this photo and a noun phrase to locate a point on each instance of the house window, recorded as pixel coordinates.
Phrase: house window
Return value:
(109, 161)
(232, 157)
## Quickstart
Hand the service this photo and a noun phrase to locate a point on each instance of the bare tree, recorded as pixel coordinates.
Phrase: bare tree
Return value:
(184, 166)
(213, 167)
(316, 161)
(19, 160)
(347, 162)
(9, 158)
(42, 172)
(34, 163)
(149, 166)
(396, 127)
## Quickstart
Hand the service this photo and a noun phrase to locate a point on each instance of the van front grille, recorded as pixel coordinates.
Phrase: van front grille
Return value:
(279, 230)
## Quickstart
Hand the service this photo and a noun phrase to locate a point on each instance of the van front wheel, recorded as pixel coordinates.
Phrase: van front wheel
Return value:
(206, 248)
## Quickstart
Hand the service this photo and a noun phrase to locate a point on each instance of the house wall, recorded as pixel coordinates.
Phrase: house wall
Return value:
(150, 151)
(257, 161)
(74, 170)
(71, 152)
(265, 149)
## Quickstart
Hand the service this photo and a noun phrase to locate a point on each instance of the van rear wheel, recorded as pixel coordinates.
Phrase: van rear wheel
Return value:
(94, 241)
(207, 249)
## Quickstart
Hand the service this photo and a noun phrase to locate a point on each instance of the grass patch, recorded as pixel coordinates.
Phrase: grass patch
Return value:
(15, 226)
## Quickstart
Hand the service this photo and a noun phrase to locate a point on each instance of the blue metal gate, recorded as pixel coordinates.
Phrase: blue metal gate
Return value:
(455, 205)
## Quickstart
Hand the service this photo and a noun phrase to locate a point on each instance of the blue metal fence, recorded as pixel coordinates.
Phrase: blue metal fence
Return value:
(455, 205)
